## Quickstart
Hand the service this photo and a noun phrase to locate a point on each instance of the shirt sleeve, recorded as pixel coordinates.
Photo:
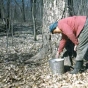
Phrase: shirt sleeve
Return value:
(62, 43)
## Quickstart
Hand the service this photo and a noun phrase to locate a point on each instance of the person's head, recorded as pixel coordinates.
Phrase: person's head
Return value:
(54, 28)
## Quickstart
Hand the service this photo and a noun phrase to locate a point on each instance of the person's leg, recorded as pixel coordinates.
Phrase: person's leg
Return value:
(81, 49)
(79, 61)
(69, 53)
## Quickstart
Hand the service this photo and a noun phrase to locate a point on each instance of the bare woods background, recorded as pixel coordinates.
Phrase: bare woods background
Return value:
(22, 21)
(26, 44)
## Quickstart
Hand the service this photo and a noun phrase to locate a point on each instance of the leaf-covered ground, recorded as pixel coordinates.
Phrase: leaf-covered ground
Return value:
(14, 73)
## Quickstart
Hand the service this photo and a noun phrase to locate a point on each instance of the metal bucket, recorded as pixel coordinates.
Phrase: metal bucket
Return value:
(57, 66)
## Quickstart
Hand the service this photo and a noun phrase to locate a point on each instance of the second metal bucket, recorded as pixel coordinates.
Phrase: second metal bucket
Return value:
(57, 66)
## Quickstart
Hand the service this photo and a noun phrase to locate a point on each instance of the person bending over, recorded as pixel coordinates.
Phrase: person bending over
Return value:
(74, 28)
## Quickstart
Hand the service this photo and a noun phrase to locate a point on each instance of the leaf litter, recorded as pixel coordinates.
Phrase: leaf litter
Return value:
(14, 73)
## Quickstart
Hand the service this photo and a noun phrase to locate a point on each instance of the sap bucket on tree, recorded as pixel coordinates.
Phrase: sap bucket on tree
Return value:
(57, 66)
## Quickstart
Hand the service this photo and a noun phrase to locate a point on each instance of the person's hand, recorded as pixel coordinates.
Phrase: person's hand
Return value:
(57, 54)
(75, 47)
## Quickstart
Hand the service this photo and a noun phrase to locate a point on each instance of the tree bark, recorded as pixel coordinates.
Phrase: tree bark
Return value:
(23, 10)
(33, 18)
(51, 13)
(2, 9)
(8, 13)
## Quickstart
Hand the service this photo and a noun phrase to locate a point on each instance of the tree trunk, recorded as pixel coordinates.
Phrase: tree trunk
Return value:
(33, 18)
(52, 11)
(2, 9)
(23, 10)
(8, 13)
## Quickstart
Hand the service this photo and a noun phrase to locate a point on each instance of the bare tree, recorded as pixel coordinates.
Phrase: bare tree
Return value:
(2, 9)
(80, 7)
(8, 13)
(33, 17)
(23, 10)
(70, 7)
(51, 12)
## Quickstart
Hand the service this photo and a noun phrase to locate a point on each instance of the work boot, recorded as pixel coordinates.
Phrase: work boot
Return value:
(78, 67)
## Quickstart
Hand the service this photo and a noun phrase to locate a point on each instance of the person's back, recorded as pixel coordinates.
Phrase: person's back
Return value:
(75, 23)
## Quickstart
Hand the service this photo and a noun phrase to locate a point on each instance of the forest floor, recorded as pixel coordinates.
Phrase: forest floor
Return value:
(14, 73)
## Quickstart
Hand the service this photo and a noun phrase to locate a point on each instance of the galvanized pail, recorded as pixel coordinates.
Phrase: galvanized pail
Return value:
(57, 66)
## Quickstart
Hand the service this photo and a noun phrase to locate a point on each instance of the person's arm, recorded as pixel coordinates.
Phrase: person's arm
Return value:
(61, 45)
